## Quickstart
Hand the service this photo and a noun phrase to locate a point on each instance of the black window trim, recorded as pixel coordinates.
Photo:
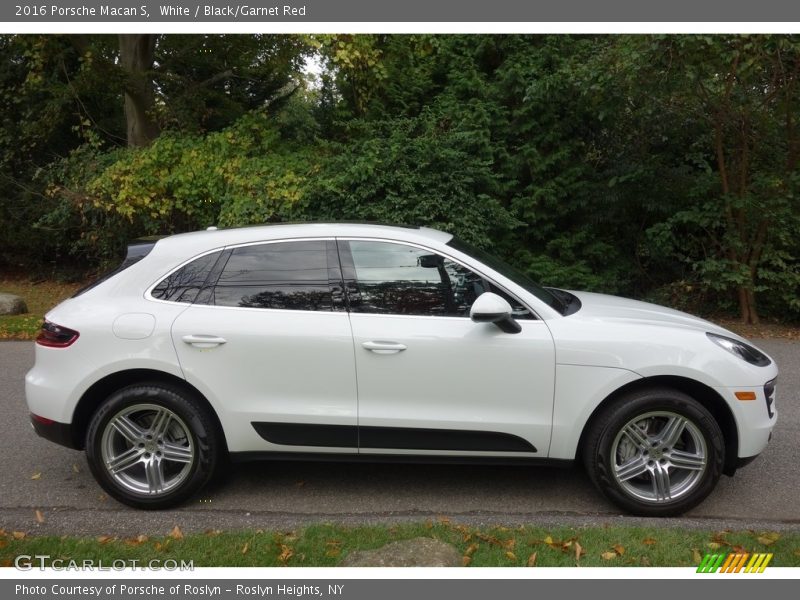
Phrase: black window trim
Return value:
(460, 262)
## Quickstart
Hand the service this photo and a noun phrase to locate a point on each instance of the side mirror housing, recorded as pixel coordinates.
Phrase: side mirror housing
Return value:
(491, 308)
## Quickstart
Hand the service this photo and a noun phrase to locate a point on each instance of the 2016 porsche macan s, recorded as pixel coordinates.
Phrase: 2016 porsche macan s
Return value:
(368, 342)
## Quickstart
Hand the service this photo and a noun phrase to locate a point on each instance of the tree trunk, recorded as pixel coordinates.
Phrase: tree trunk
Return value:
(136, 55)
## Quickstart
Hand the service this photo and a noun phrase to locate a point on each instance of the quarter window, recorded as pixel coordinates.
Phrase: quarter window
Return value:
(284, 275)
(184, 284)
(405, 280)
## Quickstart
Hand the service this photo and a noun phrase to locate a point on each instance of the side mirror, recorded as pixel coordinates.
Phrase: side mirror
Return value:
(491, 308)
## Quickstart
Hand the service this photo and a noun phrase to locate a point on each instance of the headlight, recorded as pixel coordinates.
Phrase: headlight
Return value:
(744, 351)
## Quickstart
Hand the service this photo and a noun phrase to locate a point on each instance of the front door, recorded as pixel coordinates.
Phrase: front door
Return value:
(429, 379)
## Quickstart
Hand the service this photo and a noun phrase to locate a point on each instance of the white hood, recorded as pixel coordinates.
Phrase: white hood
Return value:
(615, 308)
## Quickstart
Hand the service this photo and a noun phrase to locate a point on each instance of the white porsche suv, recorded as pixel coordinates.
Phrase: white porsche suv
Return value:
(367, 342)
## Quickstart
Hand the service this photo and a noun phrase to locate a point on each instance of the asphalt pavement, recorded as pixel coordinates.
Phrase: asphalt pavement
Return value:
(39, 475)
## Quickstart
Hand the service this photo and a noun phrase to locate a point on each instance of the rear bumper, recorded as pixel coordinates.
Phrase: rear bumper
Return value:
(60, 433)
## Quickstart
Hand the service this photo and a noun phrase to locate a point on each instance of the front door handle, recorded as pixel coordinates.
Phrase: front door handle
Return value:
(384, 347)
(204, 341)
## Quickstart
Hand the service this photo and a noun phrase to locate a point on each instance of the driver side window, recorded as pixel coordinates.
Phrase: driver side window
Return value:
(404, 280)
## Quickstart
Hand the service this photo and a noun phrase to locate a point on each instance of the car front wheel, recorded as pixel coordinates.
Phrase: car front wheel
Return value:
(151, 446)
(655, 452)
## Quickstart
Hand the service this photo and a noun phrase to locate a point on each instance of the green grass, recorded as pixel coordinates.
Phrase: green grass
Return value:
(327, 545)
(39, 297)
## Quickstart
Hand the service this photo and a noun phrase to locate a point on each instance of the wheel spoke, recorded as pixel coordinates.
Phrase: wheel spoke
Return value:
(127, 428)
(124, 461)
(176, 453)
(687, 460)
(636, 435)
(161, 423)
(661, 483)
(672, 431)
(155, 475)
(632, 468)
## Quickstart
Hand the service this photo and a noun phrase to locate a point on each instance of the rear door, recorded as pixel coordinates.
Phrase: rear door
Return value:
(269, 343)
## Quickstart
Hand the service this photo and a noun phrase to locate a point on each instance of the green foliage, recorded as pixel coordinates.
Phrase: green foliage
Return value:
(423, 171)
(663, 167)
(240, 175)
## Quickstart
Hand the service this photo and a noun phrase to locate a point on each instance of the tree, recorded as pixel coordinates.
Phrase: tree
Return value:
(740, 94)
(136, 56)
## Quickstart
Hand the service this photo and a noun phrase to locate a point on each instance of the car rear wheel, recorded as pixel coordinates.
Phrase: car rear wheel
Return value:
(655, 452)
(152, 446)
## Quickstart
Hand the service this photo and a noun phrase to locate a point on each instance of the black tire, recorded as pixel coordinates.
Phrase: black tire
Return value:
(198, 437)
(654, 406)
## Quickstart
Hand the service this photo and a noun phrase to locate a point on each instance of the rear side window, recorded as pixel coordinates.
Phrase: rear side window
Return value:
(302, 275)
(184, 284)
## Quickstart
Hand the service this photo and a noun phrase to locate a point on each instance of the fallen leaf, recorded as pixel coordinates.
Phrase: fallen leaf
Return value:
(696, 556)
(532, 560)
(333, 552)
(246, 547)
(176, 533)
(649, 541)
(619, 549)
(444, 520)
(36, 475)
(645, 562)
(6, 562)
(76, 468)
(511, 556)
(102, 497)
(39, 516)
(509, 544)
(3, 543)
(286, 553)
(157, 546)
(714, 545)
(213, 532)
(548, 540)
(579, 551)
(608, 555)
(137, 541)
(471, 549)
(465, 560)
(18, 535)
(768, 538)
(104, 539)
(428, 524)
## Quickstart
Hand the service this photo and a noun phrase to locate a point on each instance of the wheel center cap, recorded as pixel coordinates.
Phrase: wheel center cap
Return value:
(656, 453)
(150, 446)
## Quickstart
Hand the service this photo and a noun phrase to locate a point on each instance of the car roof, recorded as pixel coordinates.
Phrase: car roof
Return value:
(214, 238)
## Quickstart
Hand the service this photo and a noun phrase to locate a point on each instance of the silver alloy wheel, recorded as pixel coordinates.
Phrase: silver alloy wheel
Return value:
(659, 456)
(147, 449)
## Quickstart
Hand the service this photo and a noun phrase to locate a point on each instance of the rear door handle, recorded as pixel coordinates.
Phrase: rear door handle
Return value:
(204, 341)
(383, 347)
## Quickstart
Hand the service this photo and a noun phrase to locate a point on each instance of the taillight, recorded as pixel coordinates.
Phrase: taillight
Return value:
(56, 336)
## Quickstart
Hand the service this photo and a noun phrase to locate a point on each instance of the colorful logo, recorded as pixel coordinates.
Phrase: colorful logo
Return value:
(734, 562)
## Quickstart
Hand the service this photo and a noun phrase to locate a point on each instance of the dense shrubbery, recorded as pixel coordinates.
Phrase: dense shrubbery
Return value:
(660, 167)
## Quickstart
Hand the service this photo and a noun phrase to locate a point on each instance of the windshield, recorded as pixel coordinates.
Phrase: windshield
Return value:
(512, 273)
